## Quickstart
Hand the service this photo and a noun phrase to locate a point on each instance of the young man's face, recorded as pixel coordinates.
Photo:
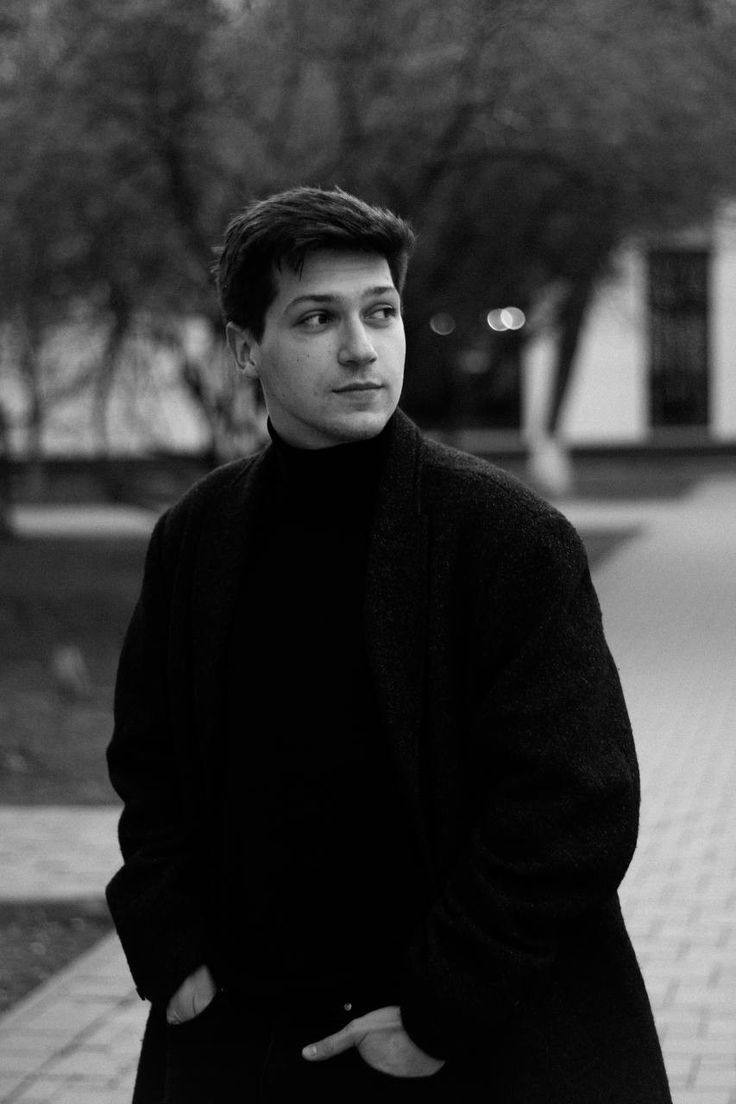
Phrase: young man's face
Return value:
(331, 359)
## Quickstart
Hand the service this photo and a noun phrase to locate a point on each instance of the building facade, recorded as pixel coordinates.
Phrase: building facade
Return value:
(656, 362)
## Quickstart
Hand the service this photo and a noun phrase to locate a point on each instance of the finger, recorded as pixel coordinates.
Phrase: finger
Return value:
(180, 1006)
(330, 1045)
(179, 1013)
(203, 997)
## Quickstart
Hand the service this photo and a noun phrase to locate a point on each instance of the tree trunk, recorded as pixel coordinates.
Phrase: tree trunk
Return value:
(6, 488)
(107, 369)
(549, 462)
(30, 370)
(571, 317)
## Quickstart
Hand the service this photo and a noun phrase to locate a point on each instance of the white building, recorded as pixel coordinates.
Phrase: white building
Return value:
(657, 359)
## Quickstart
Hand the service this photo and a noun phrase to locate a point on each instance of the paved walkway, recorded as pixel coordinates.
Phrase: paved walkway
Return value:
(669, 601)
(86, 520)
(56, 852)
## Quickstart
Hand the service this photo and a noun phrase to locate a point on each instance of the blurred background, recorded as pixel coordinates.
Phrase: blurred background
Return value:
(570, 169)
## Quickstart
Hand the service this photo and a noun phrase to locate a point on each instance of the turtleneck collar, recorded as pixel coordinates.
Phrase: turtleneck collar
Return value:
(340, 480)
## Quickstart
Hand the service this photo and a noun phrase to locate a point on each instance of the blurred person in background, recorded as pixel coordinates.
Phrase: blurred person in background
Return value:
(378, 777)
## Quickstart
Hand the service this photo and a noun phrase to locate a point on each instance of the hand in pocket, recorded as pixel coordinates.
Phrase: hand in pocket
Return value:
(192, 997)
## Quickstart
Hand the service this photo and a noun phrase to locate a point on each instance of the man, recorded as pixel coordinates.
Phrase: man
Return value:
(379, 780)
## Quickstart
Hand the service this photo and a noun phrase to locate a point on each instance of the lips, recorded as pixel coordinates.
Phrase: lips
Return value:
(359, 387)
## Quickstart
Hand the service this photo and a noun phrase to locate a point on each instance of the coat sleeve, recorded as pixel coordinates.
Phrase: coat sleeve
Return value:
(556, 818)
(153, 897)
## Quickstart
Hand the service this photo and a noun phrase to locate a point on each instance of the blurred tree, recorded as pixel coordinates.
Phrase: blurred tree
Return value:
(525, 140)
(6, 524)
(105, 205)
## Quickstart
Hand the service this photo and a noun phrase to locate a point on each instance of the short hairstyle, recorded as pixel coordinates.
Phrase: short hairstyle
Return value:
(283, 228)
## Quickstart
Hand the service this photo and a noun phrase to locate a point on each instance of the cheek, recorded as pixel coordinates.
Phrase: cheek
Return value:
(292, 375)
(309, 376)
(301, 372)
(394, 347)
(305, 377)
(394, 359)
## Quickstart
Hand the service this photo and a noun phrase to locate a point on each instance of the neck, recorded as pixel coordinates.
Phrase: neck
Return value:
(341, 477)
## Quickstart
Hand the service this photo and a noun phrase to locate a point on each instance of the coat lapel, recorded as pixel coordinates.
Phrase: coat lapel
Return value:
(397, 588)
(224, 543)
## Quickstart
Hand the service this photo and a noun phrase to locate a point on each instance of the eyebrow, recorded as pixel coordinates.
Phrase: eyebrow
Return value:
(368, 293)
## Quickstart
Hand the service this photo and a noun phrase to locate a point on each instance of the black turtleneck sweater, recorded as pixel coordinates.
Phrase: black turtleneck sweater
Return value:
(321, 858)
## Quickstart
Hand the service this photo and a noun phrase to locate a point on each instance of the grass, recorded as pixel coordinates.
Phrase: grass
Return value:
(36, 941)
(61, 598)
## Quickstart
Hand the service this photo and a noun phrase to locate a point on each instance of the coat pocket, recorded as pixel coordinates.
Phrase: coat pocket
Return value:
(196, 1053)
(381, 1086)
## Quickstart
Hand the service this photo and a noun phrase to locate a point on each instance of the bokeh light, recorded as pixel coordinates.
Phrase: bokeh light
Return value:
(513, 318)
(506, 318)
(442, 323)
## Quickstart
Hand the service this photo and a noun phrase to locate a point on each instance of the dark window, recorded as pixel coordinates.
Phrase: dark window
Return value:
(678, 313)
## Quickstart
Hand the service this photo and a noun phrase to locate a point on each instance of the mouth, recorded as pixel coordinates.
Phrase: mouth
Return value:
(367, 386)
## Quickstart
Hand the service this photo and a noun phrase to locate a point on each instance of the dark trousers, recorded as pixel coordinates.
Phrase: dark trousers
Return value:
(232, 1052)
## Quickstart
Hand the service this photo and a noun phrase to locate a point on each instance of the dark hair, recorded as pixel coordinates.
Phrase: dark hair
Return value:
(283, 228)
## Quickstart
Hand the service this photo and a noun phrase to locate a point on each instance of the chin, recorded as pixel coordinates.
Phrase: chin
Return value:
(361, 427)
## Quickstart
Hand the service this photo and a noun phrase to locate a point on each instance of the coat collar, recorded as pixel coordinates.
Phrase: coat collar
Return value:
(223, 543)
(397, 588)
(396, 612)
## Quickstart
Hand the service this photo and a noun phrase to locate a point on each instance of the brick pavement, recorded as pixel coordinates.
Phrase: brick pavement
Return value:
(76, 1039)
(668, 596)
(670, 608)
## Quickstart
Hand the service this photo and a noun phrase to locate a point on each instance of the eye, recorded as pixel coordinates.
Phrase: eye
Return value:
(314, 321)
(384, 312)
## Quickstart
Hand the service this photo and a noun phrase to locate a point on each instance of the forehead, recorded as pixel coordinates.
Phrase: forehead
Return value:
(334, 273)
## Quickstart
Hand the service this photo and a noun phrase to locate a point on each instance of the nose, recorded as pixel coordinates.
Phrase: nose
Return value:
(356, 349)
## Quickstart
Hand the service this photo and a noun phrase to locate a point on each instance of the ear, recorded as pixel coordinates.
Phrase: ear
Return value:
(244, 349)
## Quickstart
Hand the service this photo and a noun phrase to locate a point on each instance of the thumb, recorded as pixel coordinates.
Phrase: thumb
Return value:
(331, 1045)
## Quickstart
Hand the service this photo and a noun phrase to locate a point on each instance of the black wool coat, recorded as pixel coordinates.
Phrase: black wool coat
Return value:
(506, 720)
